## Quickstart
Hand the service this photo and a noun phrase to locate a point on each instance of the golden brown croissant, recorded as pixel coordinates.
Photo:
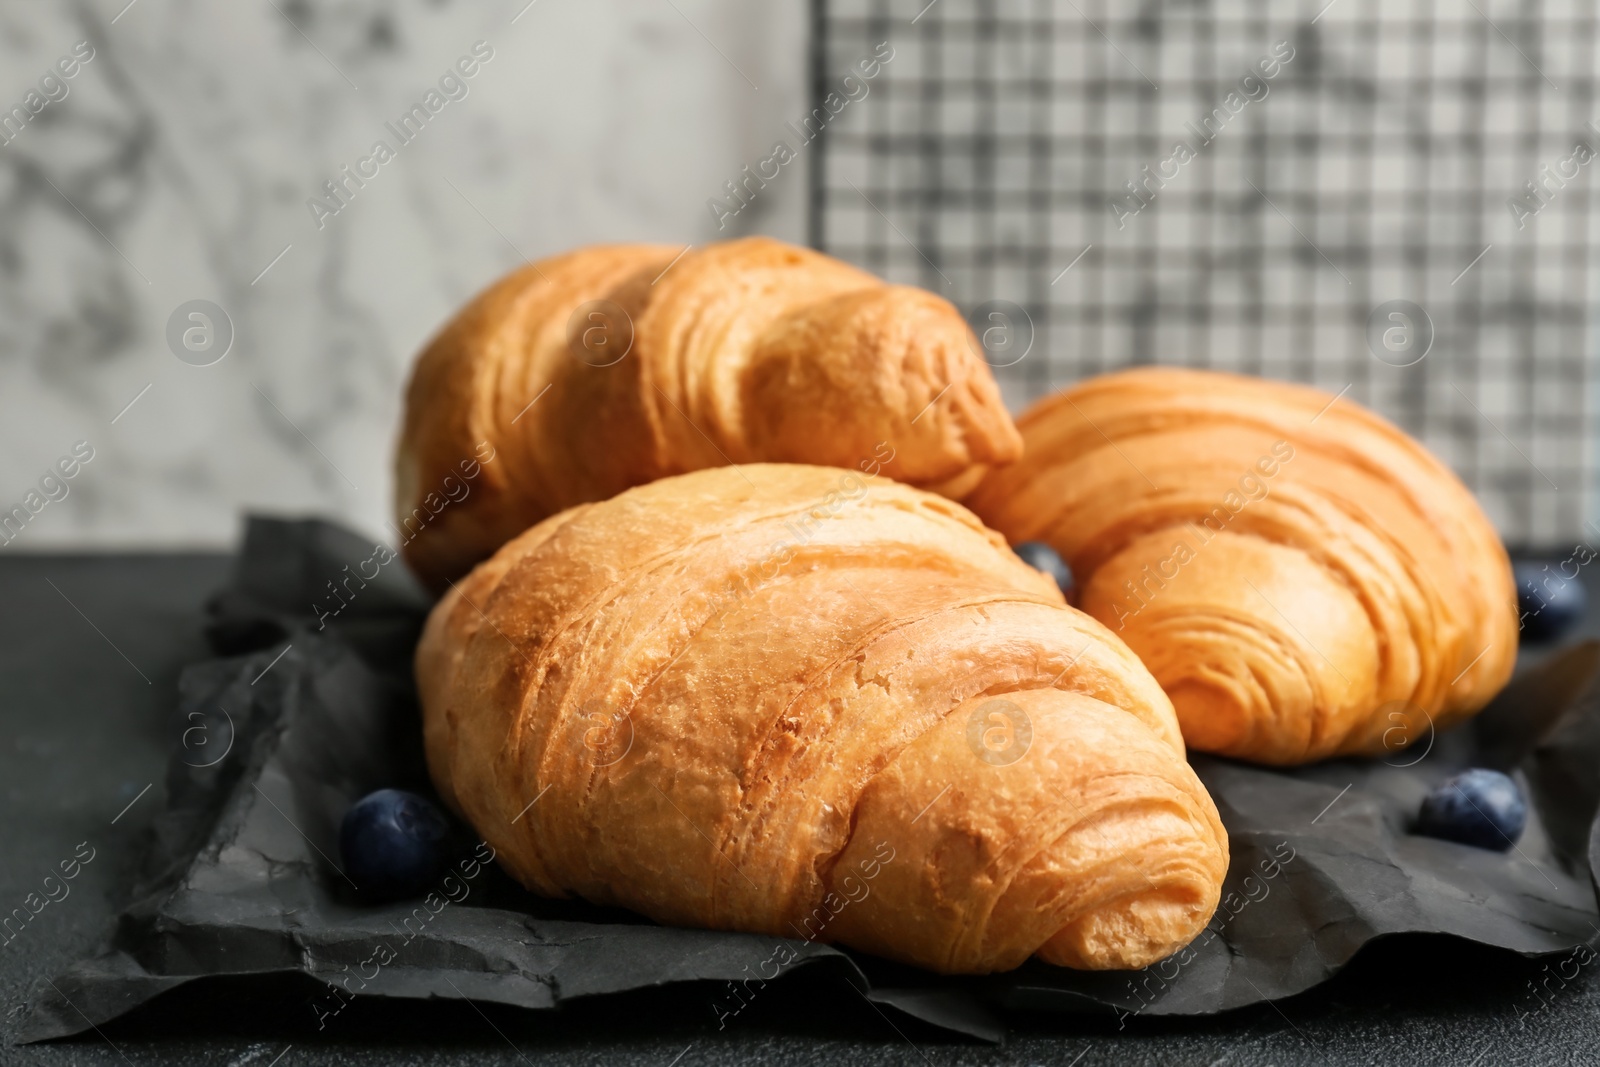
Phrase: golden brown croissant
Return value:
(1303, 578)
(583, 374)
(797, 701)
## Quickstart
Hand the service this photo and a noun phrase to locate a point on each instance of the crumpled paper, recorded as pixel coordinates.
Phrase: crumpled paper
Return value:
(310, 705)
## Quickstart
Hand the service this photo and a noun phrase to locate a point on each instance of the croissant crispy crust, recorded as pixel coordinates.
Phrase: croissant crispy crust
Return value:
(771, 697)
(1303, 578)
(743, 351)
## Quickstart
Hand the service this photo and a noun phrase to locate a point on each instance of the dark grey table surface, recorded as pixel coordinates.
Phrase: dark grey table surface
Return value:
(90, 649)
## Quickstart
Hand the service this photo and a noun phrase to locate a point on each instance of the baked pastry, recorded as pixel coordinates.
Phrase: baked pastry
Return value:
(573, 378)
(1303, 578)
(797, 701)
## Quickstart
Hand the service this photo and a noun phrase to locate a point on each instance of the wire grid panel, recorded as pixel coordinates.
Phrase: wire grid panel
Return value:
(1249, 186)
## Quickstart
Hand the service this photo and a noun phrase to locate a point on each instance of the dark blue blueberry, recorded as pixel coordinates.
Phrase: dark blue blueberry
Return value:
(1477, 807)
(1550, 603)
(1041, 557)
(393, 843)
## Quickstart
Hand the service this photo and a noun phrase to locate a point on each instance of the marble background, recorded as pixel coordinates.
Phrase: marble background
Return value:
(178, 166)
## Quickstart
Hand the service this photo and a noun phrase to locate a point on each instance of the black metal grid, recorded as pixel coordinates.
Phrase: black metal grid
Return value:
(1378, 166)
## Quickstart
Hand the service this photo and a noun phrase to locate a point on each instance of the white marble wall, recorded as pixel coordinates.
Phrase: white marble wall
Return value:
(178, 165)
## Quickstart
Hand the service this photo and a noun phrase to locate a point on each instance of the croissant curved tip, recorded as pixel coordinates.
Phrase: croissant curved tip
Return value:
(1135, 931)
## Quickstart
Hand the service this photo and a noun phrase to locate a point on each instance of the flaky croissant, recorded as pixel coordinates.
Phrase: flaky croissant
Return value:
(1303, 578)
(581, 375)
(802, 702)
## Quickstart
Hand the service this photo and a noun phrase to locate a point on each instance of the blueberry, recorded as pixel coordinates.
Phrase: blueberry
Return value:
(1477, 807)
(1041, 557)
(393, 843)
(1550, 603)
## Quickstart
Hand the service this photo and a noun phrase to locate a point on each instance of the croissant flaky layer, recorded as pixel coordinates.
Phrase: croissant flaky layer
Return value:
(586, 373)
(804, 702)
(1303, 578)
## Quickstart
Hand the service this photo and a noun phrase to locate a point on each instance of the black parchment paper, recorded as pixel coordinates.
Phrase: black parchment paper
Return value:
(304, 712)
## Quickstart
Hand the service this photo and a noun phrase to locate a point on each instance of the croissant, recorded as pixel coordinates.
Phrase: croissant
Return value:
(584, 374)
(799, 701)
(1303, 578)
